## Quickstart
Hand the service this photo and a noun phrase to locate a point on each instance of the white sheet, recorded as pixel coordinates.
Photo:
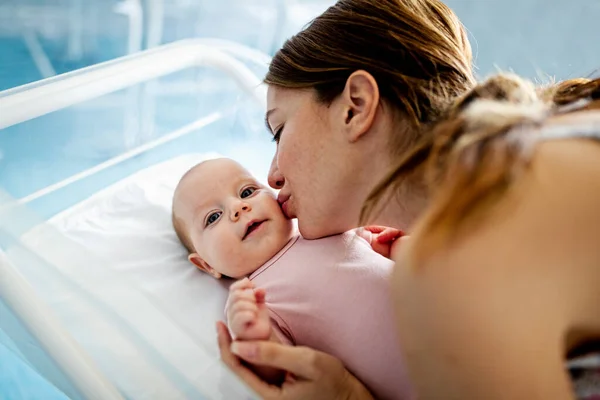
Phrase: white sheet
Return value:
(130, 299)
(129, 224)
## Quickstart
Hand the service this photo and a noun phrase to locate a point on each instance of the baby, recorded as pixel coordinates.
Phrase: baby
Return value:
(330, 294)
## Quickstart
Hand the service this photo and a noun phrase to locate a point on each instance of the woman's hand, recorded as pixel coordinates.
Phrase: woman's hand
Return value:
(311, 374)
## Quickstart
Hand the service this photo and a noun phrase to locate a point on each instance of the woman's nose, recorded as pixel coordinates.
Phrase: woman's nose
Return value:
(239, 208)
(276, 180)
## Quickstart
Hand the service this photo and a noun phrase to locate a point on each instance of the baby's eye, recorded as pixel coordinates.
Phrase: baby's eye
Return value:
(213, 217)
(247, 192)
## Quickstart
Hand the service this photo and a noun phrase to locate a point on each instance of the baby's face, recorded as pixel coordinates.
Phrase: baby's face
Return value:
(234, 222)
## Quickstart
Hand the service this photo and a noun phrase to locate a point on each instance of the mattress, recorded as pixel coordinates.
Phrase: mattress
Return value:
(115, 277)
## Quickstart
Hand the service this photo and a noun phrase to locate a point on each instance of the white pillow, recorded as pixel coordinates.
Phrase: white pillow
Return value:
(129, 223)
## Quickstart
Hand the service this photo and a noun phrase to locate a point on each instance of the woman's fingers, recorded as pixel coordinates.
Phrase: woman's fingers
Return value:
(311, 374)
(303, 362)
(233, 362)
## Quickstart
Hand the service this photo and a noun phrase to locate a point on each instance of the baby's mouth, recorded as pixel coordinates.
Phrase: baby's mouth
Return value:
(254, 225)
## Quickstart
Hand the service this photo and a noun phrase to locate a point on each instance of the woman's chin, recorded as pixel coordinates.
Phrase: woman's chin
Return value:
(311, 231)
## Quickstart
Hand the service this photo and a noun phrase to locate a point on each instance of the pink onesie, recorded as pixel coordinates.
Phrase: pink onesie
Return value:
(332, 294)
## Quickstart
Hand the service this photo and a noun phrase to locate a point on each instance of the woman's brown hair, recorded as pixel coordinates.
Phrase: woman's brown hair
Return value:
(477, 152)
(417, 51)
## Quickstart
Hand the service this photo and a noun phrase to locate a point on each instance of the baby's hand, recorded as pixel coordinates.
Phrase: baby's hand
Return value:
(385, 239)
(396, 246)
(247, 314)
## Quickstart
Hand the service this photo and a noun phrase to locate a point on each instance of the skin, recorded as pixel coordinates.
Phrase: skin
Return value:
(218, 199)
(504, 346)
(315, 167)
(325, 164)
(554, 210)
(317, 375)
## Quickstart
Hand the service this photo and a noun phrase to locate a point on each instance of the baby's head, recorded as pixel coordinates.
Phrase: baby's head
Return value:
(229, 222)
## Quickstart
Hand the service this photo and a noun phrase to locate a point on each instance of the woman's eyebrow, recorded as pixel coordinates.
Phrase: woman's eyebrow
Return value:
(267, 119)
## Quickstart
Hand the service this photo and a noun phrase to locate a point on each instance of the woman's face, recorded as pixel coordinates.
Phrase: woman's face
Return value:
(313, 165)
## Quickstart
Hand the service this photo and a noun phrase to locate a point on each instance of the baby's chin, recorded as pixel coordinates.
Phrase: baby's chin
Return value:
(246, 268)
(260, 252)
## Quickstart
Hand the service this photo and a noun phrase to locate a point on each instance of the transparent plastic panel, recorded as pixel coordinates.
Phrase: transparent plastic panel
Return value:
(56, 160)
(79, 326)
(40, 39)
(263, 21)
(26, 370)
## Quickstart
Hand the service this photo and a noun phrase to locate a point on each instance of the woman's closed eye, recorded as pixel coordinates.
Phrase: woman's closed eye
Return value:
(277, 134)
(212, 218)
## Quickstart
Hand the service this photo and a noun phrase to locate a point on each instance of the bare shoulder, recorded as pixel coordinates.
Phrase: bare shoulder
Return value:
(565, 183)
(488, 315)
(547, 224)
(573, 162)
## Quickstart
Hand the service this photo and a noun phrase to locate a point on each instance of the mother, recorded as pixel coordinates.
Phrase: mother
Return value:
(346, 97)
(349, 94)
(487, 310)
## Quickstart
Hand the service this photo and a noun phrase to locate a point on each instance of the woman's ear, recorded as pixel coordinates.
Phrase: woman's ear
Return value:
(202, 265)
(360, 102)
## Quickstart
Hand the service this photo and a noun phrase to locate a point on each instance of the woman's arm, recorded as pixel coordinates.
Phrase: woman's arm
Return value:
(491, 314)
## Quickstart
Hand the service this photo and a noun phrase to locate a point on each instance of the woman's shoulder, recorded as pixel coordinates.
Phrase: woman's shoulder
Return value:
(547, 226)
(562, 185)
(522, 284)
(553, 205)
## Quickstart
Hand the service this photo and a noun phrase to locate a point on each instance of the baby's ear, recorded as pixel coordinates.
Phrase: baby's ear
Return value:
(202, 265)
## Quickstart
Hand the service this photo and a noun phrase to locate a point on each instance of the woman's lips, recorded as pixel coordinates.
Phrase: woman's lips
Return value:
(284, 208)
(282, 199)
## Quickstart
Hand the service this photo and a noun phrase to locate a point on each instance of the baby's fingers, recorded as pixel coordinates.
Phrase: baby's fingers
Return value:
(375, 228)
(389, 235)
(260, 295)
(241, 295)
(241, 322)
(241, 306)
(241, 285)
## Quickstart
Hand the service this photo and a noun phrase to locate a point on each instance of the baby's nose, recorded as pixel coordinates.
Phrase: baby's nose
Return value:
(244, 208)
(238, 208)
